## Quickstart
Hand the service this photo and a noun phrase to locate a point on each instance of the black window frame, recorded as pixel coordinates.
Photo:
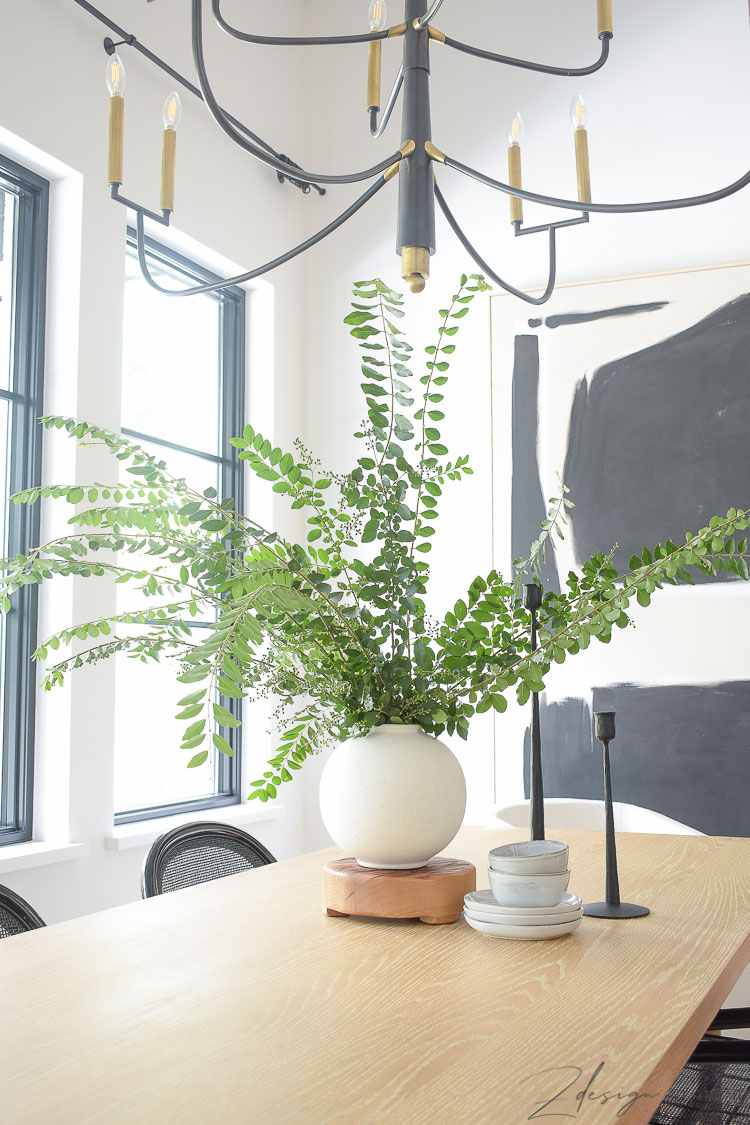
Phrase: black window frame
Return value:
(232, 333)
(25, 396)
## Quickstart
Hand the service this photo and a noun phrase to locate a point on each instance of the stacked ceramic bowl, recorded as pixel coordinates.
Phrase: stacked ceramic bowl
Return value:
(528, 899)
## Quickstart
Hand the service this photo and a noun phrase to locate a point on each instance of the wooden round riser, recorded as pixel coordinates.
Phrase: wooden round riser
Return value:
(433, 893)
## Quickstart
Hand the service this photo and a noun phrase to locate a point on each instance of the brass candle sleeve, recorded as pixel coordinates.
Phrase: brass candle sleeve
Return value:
(514, 179)
(582, 165)
(604, 15)
(374, 55)
(168, 150)
(116, 138)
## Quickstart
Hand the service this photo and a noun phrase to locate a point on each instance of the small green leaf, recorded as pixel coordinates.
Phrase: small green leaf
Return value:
(222, 745)
(224, 717)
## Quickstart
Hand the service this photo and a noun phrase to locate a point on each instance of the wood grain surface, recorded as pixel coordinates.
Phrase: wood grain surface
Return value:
(239, 1001)
(433, 893)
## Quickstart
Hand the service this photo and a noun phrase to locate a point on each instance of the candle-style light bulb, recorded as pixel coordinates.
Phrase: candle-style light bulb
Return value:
(115, 79)
(377, 15)
(172, 112)
(579, 112)
(115, 76)
(515, 129)
(578, 119)
(171, 116)
(515, 136)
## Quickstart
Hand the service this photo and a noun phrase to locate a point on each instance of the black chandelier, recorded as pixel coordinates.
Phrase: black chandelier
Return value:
(415, 161)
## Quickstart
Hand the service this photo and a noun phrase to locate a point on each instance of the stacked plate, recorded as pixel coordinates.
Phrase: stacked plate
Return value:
(528, 900)
(484, 913)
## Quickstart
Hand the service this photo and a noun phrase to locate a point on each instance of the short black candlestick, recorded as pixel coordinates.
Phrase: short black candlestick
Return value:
(532, 600)
(612, 907)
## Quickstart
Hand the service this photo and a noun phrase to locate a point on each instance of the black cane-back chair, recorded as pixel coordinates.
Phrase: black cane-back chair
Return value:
(714, 1087)
(16, 916)
(198, 853)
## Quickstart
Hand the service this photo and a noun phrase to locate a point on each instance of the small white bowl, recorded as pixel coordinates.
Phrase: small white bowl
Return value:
(534, 856)
(529, 889)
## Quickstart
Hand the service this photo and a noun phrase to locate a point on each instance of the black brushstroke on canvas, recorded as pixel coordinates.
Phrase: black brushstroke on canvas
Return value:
(566, 736)
(560, 320)
(658, 440)
(528, 505)
(681, 750)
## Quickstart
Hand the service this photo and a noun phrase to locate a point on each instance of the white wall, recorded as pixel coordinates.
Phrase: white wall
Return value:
(229, 211)
(666, 119)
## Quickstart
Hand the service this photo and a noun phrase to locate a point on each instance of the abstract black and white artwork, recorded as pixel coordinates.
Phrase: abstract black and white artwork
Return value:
(637, 393)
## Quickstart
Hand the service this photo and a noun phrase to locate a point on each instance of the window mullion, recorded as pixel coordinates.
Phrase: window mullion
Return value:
(24, 469)
(231, 375)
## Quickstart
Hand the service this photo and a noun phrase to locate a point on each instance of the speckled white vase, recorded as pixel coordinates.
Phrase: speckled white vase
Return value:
(394, 798)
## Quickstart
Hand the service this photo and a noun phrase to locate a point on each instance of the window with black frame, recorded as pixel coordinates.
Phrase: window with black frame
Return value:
(183, 382)
(24, 199)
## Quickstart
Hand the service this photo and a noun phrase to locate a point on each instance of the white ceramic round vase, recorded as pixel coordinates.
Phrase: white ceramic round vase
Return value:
(394, 798)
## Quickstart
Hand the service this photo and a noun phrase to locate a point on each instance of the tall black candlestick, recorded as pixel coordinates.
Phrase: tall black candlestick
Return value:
(532, 601)
(612, 907)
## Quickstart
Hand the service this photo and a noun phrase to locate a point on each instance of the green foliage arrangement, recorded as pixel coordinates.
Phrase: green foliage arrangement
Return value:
(335, 631)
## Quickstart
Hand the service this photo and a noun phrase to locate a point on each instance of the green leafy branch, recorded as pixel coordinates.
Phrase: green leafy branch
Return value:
(554, 522)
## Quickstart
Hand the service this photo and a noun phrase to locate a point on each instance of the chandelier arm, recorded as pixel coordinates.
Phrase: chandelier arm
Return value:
(376, 129)
(225, 125)
(432, 11)
(490, 272)
(599, 208)
(241, 278)
(297, 41)
(572, 72)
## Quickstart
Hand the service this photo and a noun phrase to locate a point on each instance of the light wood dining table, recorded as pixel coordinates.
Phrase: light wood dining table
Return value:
(239, 1001)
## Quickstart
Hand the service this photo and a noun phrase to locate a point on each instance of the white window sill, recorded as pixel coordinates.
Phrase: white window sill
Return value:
(37, 853)
(144, 832)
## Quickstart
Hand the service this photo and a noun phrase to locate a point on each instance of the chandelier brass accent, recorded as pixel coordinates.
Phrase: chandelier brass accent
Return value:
(415, 267)
(434, 152)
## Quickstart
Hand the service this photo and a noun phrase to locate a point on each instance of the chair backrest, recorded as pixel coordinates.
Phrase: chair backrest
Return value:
(198, 853)
(571, 812)
(16, 916)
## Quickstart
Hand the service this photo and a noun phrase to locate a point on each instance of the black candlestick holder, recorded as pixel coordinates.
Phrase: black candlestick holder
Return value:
(532, 600)
(612, 907)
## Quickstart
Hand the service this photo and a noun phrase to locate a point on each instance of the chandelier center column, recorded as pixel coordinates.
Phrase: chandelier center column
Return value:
(416, 197)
